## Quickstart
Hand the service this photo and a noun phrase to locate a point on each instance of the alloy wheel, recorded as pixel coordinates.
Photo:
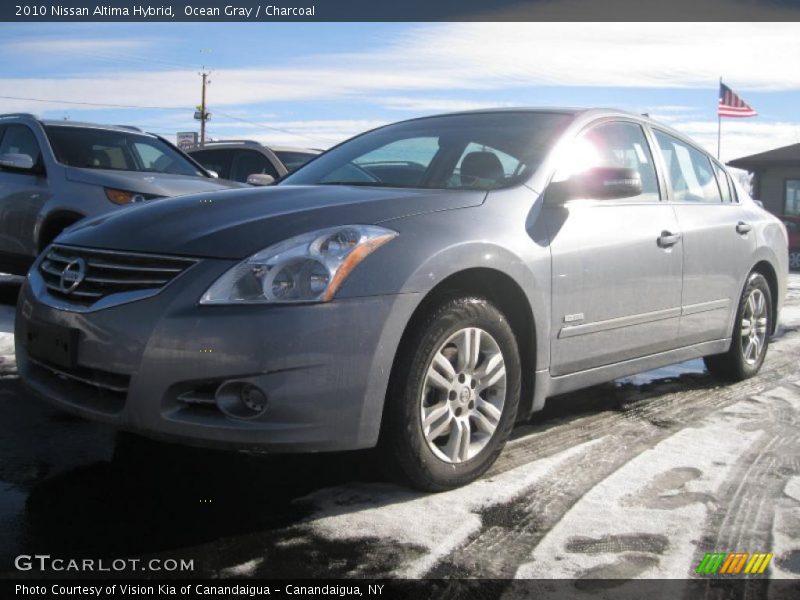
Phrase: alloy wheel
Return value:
(794, 260)
(463, 395)
(754, 326)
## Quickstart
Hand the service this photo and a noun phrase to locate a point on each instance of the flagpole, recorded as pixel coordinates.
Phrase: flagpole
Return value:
(719, 121)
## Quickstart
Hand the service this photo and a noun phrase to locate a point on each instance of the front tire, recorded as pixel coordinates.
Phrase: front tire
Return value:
(453, 395)
(750, 337)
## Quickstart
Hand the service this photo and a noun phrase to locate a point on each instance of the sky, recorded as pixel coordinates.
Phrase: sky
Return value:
(315, 84)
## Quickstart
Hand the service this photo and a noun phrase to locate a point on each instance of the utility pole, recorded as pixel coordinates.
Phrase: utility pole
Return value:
(203, 112)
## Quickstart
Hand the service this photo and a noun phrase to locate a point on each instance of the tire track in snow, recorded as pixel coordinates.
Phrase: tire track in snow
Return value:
(512, 530)
(744, 518)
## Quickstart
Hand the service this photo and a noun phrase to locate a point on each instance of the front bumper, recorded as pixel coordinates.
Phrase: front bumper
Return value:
(324, 367)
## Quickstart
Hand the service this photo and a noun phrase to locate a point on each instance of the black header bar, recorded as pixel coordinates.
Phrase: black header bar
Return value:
(409, 10)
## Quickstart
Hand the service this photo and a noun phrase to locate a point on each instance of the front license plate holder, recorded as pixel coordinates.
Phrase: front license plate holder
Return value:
(53, 344)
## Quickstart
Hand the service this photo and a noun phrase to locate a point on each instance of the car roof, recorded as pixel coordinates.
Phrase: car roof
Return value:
(590, 112)
(85, 125)
(76, 124)
(580, 114)
(294, 149)
(224, 144)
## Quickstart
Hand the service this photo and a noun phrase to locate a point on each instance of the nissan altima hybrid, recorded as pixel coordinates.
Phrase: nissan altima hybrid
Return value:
(420, 288)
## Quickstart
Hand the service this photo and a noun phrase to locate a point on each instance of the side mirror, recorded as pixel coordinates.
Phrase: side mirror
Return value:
(20, 162)
(598, 183)
(213, 174)
(260, 179)
(758, 203)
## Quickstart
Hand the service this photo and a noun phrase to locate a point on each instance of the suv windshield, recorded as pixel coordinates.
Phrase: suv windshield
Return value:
(94, 148)
(482, 151)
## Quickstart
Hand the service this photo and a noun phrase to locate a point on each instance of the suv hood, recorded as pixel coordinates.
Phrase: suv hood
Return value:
(237, 224)
(158, 184)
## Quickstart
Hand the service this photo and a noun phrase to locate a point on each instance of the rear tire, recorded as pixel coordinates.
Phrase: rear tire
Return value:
(750, 336)
(453, 395)
(794, 259)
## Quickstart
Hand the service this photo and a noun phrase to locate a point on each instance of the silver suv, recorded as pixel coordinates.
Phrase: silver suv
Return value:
(55, 173)
(247, 161)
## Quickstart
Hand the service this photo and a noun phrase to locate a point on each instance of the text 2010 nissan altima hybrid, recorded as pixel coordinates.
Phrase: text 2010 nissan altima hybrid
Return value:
(423, 285)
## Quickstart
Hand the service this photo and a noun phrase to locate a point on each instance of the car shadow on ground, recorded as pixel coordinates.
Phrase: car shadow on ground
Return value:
(152, 496)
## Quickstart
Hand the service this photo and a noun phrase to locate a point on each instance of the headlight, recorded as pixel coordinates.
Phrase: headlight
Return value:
(306, 268)
(124, 197)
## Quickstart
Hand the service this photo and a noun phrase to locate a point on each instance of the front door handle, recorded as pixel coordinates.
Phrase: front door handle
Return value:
(742, 227)
(667, 239)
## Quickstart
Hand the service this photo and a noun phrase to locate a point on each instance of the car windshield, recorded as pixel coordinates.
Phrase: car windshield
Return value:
(293, 159)
(482, 151)
(95, 148)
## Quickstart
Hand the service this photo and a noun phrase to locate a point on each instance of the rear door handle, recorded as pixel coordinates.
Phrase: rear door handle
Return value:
(667, 239)
(742, 227)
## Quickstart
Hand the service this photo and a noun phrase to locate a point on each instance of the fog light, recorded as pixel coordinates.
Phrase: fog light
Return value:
(241, 399)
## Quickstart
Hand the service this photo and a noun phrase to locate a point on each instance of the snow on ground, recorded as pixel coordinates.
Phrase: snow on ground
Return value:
(8, 364)
(645, 519)
(790, 315)
(436, 522)
(246, 569)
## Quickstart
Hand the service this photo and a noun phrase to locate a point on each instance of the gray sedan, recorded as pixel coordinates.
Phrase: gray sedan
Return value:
(420, 287)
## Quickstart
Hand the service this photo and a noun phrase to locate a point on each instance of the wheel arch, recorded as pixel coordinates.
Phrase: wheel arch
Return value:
(765, 268)
(508, 296)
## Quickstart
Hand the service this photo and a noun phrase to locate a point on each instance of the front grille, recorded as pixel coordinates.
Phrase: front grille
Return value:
(105, 272)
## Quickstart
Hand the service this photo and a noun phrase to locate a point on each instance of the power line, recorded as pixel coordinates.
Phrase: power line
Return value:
(267, 126)
(98, 104)
(125, 58)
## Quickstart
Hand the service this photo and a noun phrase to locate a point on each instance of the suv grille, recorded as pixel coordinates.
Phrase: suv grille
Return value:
(84, 276)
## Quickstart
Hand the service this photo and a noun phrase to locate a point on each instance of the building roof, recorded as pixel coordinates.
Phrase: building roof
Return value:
(785, 156)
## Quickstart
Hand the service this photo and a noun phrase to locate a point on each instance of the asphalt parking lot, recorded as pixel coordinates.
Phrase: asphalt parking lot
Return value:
(636, 478)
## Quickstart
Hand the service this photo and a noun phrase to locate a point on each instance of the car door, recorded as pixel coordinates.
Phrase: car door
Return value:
(22, 193)
(718, 243)
(616, 264)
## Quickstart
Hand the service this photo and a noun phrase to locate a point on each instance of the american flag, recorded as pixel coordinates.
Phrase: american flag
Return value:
(730, 105)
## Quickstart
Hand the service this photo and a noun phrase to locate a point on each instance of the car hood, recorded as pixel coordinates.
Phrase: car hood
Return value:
(238, 223)
(158, 184)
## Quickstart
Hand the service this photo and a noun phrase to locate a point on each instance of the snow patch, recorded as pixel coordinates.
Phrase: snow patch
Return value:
(8, 362)
(621, 526)
(792, 488)
(436, 522)
(246, 569)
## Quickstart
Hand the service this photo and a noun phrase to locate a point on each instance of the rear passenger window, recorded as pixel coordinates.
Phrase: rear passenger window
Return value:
(250, 162)
(218, 161)
(725, 184)
(689, 171)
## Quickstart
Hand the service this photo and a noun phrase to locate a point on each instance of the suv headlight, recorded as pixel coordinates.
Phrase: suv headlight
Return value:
(306, 268)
